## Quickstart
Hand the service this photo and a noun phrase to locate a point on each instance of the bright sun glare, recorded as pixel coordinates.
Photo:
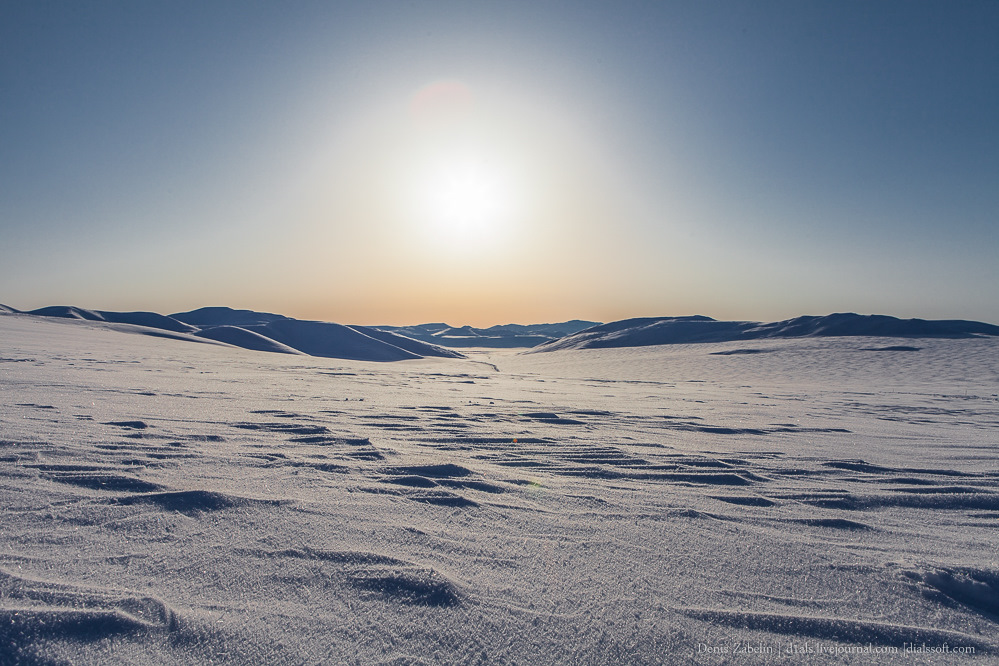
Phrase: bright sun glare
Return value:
(464, 200)
(461, 189)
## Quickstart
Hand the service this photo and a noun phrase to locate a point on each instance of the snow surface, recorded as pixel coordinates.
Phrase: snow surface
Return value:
(169, 502)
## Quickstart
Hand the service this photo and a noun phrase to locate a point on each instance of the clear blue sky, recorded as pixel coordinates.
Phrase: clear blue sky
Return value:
(488, 162)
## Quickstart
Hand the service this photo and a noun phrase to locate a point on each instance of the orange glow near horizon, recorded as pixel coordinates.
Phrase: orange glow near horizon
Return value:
(472, 206)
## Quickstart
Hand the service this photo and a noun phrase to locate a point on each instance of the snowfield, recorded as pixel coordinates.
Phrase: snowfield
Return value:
(760, 501)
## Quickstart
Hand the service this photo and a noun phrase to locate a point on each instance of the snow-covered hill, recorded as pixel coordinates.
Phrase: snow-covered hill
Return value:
(699, 329)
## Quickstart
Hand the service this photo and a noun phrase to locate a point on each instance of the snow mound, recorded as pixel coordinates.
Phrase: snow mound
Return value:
(149, 319)
(220, 316)
(260, 331)
(975, 588)
(329, 340)
(407, 343)
(240, 337)
(67, 312)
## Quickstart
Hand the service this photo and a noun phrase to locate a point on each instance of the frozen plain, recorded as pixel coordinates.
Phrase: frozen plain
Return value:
(168, 501)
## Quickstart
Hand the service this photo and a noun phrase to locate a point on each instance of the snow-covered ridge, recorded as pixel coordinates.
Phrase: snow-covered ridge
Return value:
(646, 331)
(264, 331)
(260, 331)
(500, 336)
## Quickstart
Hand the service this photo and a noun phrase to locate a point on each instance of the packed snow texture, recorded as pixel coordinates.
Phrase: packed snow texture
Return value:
(169, 502)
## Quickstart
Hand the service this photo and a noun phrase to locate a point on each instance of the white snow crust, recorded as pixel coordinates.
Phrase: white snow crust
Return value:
(738, 502)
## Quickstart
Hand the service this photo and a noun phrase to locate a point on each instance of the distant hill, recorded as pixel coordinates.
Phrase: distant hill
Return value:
(262, 331)
(679, 330)
(225, 317)
(241, 337)
(319, 338)
(150, 319)
(503, 335)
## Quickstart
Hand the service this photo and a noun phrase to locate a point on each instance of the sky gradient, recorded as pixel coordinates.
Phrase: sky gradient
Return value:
(484, 163)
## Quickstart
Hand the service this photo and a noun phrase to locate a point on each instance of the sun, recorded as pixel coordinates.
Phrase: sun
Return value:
(463, 183)
(464, 201)
(464, 197)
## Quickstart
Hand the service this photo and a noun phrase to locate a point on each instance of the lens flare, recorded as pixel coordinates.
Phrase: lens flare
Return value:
(441, 102)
